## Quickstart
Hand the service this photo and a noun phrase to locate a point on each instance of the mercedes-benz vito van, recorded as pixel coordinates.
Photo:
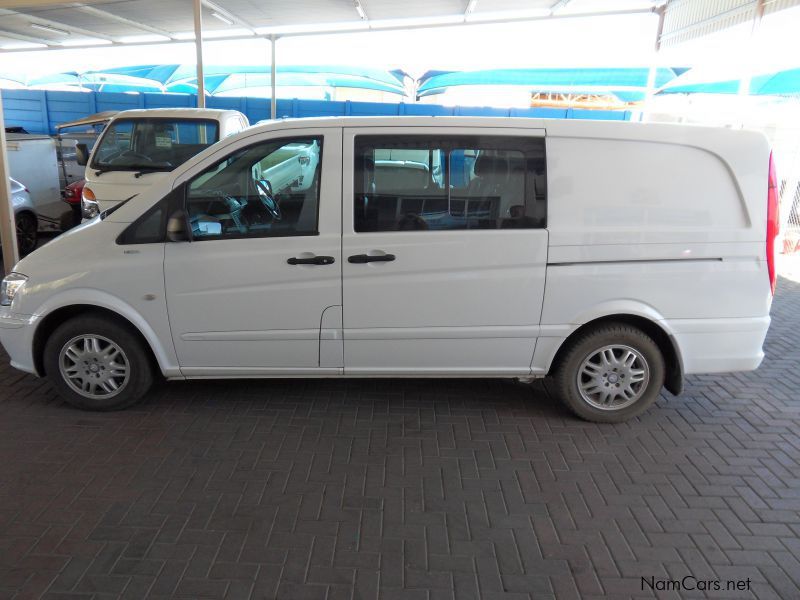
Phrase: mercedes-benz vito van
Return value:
(614, 257)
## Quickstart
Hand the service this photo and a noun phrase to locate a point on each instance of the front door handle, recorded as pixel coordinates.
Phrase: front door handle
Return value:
(314, 260)
(365, 258)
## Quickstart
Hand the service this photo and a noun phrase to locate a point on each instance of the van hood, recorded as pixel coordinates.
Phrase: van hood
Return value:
(71, 251)
(115, 186)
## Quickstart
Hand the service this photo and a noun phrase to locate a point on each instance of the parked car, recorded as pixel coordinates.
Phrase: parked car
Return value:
(613, 257)
(25, 218)
(138, 146)
(72, 196)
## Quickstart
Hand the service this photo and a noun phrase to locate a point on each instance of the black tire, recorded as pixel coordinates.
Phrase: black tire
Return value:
(566, 376)
(27, 232)
(134, 354)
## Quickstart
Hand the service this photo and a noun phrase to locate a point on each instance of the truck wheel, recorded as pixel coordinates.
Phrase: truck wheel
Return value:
(97, 364)
(27, 232)
(610, 373)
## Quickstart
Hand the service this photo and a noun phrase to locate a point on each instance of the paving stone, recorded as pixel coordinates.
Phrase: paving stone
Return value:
(381, 489)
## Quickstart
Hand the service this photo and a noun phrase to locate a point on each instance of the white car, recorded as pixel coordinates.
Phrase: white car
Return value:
(614, 257)
(25, 217)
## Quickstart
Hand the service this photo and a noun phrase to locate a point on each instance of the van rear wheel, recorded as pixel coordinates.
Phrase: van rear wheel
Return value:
(97, 364)
(610, 373)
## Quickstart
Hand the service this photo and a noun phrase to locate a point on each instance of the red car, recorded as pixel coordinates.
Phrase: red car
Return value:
(72, 196)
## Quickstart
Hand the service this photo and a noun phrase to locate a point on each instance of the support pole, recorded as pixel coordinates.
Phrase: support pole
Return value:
(273, 112)
(653, 72)
(747, 76)
(8, 229)
(198, 45)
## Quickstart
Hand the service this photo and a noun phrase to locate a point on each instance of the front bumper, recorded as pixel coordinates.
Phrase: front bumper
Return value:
(16, 336)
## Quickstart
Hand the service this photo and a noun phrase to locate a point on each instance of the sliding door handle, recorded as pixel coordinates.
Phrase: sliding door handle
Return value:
(365, 258)
(314, 260)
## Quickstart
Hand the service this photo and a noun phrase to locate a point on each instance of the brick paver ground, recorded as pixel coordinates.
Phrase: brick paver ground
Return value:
(403, 489)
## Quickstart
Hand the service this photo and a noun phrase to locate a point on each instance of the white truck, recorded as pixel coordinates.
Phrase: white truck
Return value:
(138, 146)
(33, 161)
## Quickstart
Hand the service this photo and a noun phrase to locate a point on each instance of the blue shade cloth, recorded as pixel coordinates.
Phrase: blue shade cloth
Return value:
(98, 82)
(778, 83)
(182, 78)
(216, 84)
(627, 84)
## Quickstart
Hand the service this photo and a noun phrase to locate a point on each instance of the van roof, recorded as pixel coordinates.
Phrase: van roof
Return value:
(184, 113)
(672, 132)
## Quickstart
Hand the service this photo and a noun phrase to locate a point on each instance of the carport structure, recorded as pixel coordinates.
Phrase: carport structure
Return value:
(46, 25)
(27, 25)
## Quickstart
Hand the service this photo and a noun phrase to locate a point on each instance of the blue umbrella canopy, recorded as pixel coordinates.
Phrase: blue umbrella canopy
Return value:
(627, 83)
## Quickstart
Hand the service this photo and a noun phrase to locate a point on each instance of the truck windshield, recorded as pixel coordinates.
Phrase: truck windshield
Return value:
(158, 144)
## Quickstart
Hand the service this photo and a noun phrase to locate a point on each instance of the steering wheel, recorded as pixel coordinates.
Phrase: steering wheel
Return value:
(130, 153)
(268, 200)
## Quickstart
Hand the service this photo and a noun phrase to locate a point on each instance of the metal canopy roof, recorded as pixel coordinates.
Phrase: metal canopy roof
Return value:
(55, 24)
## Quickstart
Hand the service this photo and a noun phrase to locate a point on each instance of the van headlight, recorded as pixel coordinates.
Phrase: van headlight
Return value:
(89, 206)
(12, 283)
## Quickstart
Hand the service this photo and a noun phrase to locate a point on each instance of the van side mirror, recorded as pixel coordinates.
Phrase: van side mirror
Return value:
(82, 154)
(177, 229)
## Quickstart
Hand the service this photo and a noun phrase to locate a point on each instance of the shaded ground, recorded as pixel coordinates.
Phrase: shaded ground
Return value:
(403, 489)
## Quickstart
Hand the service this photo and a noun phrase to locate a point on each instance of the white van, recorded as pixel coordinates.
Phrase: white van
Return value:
(615, 257)
(138, 146)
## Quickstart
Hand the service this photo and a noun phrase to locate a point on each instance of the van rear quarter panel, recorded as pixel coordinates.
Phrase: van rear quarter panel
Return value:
(665, 222)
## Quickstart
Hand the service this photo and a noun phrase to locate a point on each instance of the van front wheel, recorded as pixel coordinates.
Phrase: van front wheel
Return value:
(610, 373)
(97, 364)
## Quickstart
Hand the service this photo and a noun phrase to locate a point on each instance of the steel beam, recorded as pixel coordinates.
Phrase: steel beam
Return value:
(112, 17)
(747, 76)
(559, 5)
(30, 39)
(8, 230)
(228, 14)
(70, 29)
(273, 104)
(40, 3)
(198, 45)
(399, 27)
(653, 72)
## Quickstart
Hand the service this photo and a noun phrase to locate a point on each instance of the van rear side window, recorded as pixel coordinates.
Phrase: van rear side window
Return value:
(407, 183)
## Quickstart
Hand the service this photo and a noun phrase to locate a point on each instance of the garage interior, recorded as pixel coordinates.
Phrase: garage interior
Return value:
(366, 489)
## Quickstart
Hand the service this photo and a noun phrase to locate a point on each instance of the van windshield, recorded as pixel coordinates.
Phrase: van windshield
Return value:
(155, 144)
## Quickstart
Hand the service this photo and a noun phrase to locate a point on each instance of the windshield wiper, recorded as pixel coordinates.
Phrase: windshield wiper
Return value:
(114, 208)
(152, 169)
(100, 170)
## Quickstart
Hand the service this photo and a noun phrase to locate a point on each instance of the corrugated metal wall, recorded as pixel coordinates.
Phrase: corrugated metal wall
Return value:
(686, 20)
(40, 111)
